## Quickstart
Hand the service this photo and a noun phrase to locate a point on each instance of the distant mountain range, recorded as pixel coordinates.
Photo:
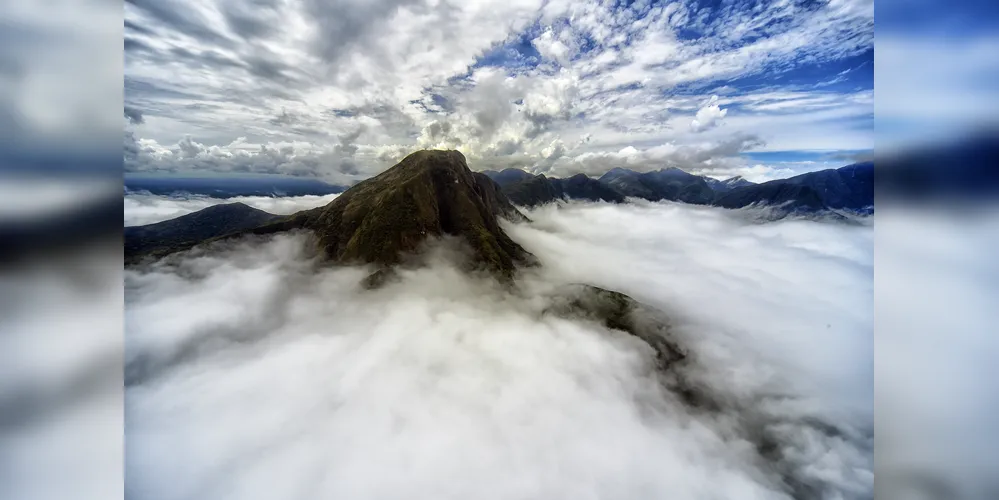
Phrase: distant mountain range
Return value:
(848, 188)
(229, 187)
(434, 193)
(962, 172)
(166, 237)
(530, 190)
(666, 184)
(727, 184)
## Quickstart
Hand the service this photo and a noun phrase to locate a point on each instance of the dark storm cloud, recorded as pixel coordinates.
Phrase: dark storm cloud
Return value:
(134, 115)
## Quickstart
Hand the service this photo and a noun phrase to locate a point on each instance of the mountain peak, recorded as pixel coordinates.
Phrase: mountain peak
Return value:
(508, 176)
(430, 193)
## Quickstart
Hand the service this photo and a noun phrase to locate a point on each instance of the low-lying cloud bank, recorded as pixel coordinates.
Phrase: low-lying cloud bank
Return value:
(937, 289)
(253, 373)
(142, 207)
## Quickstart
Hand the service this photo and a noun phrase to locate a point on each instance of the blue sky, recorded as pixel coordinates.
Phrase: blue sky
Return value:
(341, 89)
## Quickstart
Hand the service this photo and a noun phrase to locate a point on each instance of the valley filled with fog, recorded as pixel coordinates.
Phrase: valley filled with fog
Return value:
(253, 370)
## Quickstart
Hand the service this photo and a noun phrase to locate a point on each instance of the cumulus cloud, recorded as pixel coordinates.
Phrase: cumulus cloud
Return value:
(251, 357)
(145, 208)
(550, 46)
(701, 157)
(505, 78)
(709, 116)
(336, 163)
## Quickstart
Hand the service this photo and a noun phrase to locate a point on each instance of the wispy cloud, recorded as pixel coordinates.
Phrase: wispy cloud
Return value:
(502, 81)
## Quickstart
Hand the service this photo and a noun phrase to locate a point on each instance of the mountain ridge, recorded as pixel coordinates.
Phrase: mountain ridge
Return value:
(217, 220)
(430, 193)
(850, 187)
(846, 188)
(433, 193)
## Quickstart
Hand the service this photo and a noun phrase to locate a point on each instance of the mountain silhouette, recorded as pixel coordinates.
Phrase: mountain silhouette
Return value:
(582, 187)
(539, 189)
(670, 184)
(507, 176)
(181, 233)
(534, 191)
(846, 188)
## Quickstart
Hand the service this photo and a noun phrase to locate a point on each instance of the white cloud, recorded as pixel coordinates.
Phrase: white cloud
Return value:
(935, 368)
(441, 378)
(402, 69)
(709, 116)
(550, 47)
(144, 208)
(704, 157)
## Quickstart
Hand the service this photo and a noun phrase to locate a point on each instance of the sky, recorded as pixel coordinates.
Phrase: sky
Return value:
(342, 89)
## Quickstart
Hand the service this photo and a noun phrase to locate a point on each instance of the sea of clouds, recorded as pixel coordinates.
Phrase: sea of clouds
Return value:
(253, 371)
(142, 207)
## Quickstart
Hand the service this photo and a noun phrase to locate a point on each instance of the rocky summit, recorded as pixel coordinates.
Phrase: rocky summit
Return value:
(428, 193)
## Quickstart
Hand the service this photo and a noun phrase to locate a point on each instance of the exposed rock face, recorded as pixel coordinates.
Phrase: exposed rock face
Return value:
(494, 198)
